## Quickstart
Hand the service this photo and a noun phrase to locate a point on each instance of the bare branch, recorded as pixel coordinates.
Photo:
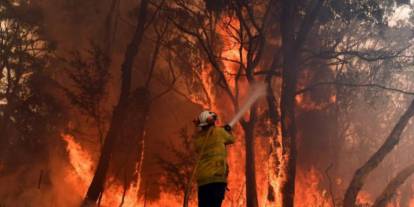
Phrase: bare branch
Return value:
(211, 58)
(367, 85)
(369, 55)
(307, 23)
(171, 86)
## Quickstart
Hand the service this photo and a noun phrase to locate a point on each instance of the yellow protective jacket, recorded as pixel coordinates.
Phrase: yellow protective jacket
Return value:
(211, 148)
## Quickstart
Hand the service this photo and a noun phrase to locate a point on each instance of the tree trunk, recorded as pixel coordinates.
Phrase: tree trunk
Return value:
(292, 42)
(274, 117)
(395, 183)
(392, 140)
(287, 104)
(288, 121)
(128, 146)
(110, 25)
(115, 130)
(251, 192)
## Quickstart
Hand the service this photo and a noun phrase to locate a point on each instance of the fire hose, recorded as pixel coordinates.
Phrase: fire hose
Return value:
(257, 91)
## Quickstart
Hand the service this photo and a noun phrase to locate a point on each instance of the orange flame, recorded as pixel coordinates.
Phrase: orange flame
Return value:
(365, 199)
(309, 191)
(81, 162)
(83, 169)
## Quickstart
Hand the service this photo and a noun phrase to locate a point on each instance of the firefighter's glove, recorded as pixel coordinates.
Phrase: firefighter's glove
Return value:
(227, 128)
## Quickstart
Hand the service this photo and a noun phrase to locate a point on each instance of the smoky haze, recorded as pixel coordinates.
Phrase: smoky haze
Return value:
(353, 79)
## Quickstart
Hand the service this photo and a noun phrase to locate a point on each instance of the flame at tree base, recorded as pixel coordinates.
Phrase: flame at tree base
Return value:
(83, 169)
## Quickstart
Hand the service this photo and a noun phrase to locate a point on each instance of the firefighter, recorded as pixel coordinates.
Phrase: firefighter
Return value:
(212, 168)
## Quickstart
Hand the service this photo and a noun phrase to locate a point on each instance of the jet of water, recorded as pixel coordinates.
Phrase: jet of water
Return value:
(257, 91)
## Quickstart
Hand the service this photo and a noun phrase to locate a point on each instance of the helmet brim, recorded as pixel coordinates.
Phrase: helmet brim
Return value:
(202, 124)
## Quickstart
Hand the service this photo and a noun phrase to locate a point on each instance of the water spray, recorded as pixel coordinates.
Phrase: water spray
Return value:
(256, 92)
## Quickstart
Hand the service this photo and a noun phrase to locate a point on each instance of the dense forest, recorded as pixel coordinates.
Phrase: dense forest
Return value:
(97, 99)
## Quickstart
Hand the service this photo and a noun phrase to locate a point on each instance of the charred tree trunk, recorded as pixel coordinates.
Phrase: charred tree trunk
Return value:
(289, 130)
(128, 147)
(396, 182)
(361, 174)
(128, 151)
(251, 192)
(110, 26)
(292, 42)
(118, 116)
(287, 105)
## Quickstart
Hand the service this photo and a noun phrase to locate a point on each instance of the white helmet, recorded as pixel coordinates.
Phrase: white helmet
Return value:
(206, 118)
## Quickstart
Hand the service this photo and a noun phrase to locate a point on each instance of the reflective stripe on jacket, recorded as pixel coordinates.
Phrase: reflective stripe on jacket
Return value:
(211, 147)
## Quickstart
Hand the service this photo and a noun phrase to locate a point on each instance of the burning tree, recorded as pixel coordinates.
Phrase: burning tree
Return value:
(119, 113)
(231, 47)
(123, 149)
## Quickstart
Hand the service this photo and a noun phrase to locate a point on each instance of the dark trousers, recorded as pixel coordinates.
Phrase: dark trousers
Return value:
(211, 195)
